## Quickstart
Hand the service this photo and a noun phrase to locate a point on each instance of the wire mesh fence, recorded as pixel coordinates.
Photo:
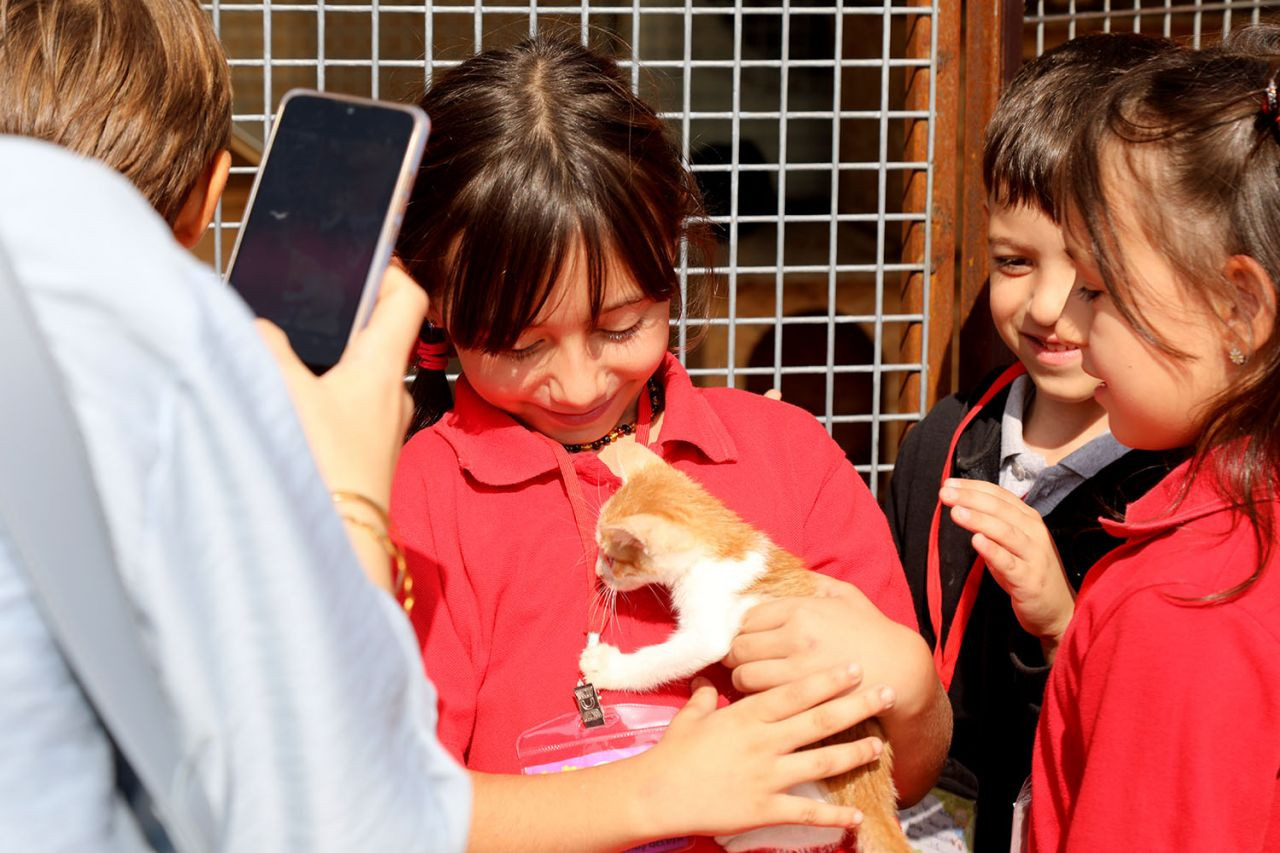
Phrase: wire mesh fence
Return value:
(809, 125)
(1051, 22)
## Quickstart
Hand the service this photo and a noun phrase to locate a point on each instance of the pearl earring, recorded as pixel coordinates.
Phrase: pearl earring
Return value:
(1237, 356)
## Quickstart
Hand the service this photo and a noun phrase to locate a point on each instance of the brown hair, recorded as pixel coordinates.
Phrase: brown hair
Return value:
(142, 85)
(535, 150)
(1188, 132)
(1031, 127)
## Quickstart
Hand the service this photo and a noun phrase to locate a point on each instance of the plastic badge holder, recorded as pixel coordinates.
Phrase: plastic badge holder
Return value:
(564, 743)
(1019, 841)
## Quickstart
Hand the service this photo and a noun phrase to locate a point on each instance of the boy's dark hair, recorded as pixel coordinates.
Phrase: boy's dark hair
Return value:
(536, 150)
(142, 85)
(1188, 136)
(1031, 128)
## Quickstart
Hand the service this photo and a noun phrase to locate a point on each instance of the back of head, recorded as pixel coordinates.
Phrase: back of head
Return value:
(142, 85)
(537, 151)
(1196, 136)
(1031, 128)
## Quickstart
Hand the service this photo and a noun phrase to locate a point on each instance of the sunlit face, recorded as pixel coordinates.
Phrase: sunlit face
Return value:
(1153, 400)
(567, 377)
(1032, 278)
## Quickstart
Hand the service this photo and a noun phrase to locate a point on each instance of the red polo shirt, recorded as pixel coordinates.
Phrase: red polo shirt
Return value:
(501, 580)
(1161, 720)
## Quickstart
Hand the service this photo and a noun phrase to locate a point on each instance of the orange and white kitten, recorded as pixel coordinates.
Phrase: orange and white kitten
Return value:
(663, 528)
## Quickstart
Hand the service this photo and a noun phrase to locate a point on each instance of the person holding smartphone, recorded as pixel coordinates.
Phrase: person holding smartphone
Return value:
(307, 720)
(296, 681)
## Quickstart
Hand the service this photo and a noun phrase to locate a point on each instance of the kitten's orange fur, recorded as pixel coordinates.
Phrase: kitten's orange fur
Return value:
(660, 521)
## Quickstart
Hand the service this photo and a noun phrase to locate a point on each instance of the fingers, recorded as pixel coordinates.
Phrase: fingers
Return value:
(993, 512)
(795, 698)
(825, 761)
(278, 344)
(394, 324)
(984, 497)
(825, 586)
(999, 559)
(762, 675)
(758, 644)
(835, 715)
(702, 700)
(769, 615)
(773, 394)
(995, 529)
(766, 674)
(790, 809)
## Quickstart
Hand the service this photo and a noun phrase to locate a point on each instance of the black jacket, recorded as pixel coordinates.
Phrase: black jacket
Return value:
(1000, 676)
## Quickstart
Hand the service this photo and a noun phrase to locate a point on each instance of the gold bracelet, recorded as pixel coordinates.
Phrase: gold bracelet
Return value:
(402, 585)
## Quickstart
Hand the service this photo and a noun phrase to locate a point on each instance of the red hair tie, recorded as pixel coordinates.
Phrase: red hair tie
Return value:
(432, 352)
(1270, 103)
(432, 356)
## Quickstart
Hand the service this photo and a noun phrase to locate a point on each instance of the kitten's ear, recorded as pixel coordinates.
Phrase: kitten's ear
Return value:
(626, 458)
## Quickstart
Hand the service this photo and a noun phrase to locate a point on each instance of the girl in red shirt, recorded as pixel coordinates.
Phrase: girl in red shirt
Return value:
(1159, 724)
(546, 223)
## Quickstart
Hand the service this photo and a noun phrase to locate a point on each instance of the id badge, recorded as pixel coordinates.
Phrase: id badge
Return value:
(1019, 839)
(565, 743)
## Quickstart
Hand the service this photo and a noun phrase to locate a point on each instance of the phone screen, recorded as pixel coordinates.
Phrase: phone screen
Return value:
(318, 214)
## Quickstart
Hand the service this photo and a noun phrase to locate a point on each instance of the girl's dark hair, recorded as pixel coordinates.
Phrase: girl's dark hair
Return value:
(1187, 131)
(1027, 137)
(536, 150)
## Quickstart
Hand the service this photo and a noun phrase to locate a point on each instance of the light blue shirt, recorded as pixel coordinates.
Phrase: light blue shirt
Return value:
(1024, 472)
(299, 687)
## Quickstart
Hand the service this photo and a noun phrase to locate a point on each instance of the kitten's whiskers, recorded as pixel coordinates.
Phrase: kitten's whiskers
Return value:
(604, 601)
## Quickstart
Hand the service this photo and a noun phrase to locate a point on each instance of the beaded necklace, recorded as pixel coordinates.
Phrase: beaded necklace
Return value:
(656, 403)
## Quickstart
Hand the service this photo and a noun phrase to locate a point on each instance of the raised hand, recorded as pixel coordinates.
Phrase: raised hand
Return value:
(1013, 540)
(356, 414)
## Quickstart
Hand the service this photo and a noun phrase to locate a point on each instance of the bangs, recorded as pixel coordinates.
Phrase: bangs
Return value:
(525, 226)
(1019, 172)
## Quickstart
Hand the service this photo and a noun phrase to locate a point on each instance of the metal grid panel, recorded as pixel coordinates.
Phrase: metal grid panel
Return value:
(793, 115)
(1052, 22)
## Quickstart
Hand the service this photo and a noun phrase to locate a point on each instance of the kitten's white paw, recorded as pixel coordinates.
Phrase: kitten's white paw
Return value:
(600, 664)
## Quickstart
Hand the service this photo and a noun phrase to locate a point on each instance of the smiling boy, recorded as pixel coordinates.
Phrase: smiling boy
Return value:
(1024, 462)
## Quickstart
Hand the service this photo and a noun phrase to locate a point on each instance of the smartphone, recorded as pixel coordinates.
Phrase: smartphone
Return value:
(323, 216)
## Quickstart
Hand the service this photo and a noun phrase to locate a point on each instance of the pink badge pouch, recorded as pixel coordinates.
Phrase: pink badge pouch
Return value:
(565, 743)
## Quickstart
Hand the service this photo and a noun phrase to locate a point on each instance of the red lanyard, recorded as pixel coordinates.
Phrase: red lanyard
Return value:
(946, 650)
(585, 520)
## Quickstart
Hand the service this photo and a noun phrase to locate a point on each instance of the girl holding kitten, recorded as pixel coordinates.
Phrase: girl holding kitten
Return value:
(1159, 724)
(546, 222)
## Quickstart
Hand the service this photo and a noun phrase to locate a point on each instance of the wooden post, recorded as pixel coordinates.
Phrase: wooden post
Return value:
(993, 52)
(944, 81)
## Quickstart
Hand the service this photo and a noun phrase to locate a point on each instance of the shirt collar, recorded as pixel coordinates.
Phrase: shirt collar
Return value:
(1015, 406)
(497, 450)
(1159, 509)
(1084, 461)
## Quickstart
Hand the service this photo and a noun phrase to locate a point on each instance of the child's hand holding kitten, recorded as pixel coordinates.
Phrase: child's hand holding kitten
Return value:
(788, 638)
(750, 754)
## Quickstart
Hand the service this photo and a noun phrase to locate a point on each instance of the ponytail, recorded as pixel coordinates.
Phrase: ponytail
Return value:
(430, 389)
